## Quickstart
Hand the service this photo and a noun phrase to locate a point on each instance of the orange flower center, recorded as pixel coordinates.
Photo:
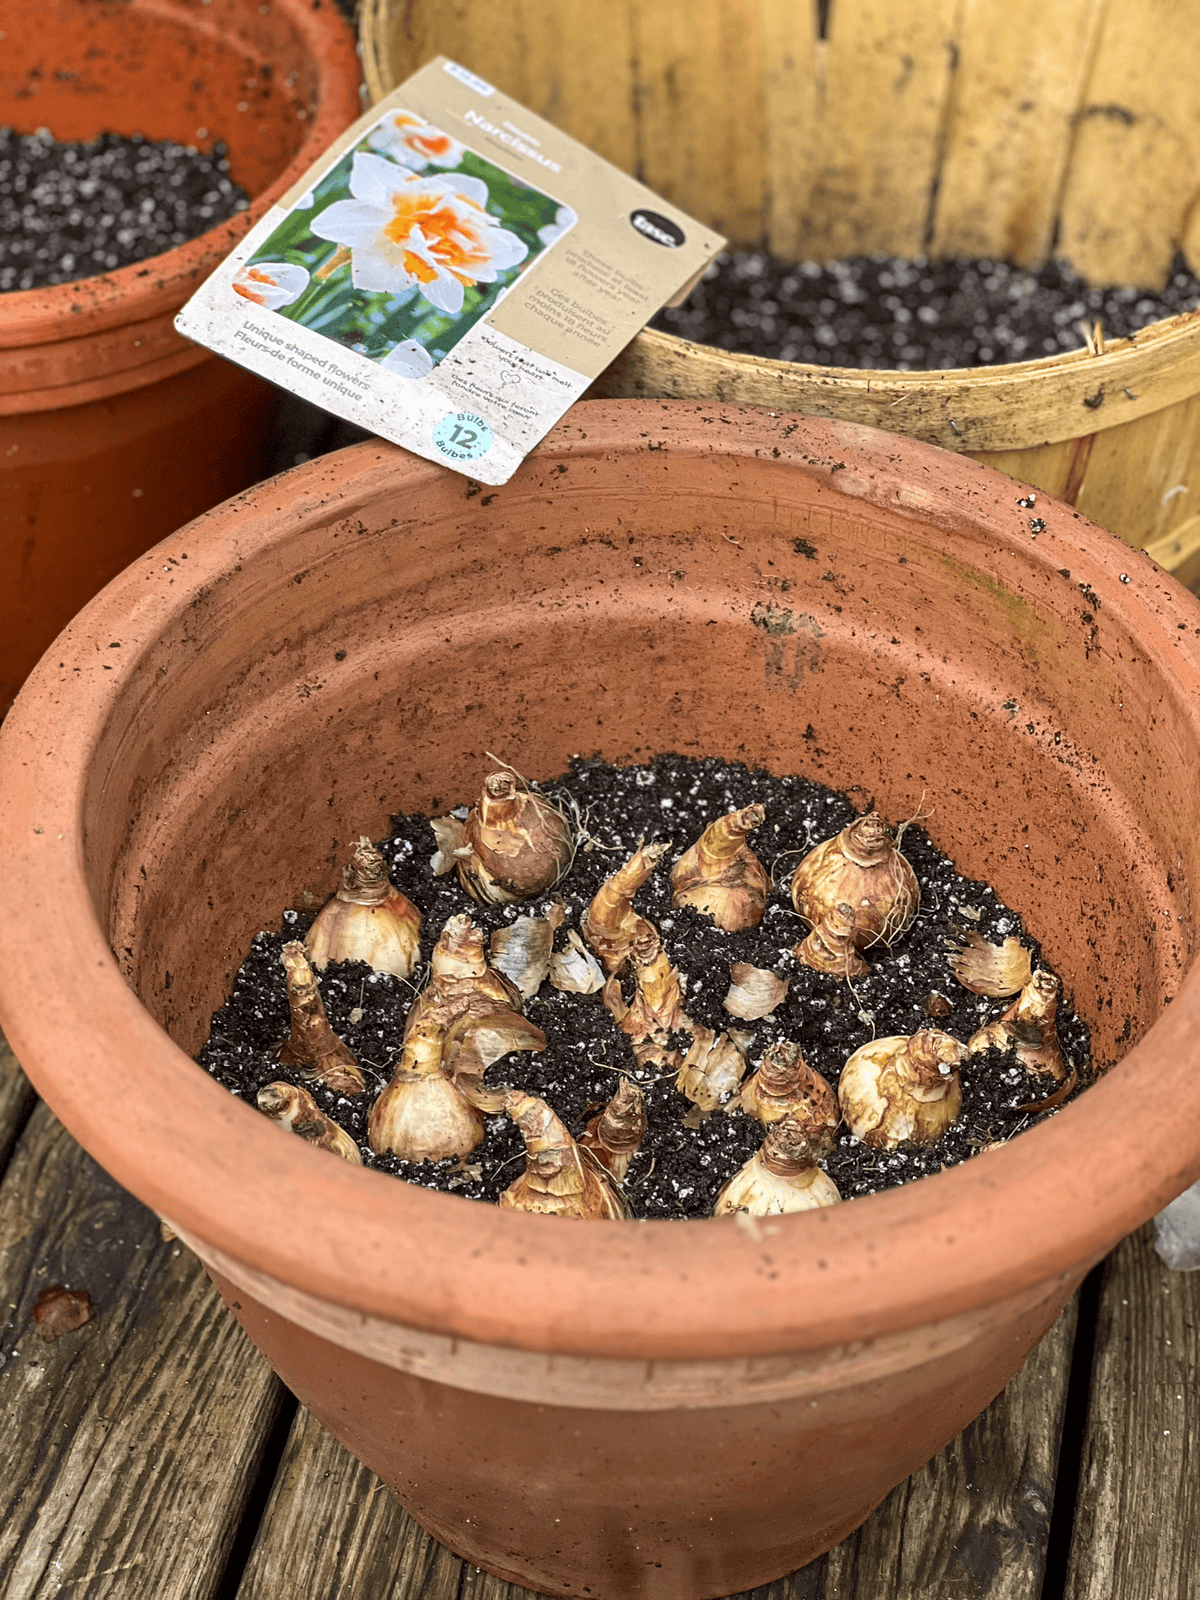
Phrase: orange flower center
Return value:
(444, 231)
(257, 275)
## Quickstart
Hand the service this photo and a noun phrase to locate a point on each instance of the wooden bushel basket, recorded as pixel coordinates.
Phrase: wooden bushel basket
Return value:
(1010, 129)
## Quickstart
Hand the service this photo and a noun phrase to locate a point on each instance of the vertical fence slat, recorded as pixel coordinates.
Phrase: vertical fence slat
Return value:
(791, 56)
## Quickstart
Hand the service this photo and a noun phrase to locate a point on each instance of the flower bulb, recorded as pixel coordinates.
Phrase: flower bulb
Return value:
(784, 1085)
(863, 868)
(780, 1177)
(560, 1179)
(902, 1089)
(1029, 1027)
(296, 1110)
(312, 1046)
(721, 876)
(513, 845)
(368, 919)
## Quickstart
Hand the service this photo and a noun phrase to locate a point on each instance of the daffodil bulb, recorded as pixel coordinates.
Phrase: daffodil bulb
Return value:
(784, 1085)
(656, 1010)
(561, 1179)
(295, 1109)
(368, 919)
(423, 1115)
(902, 1089)
(610, 924)
(514, 843)
(615, 1134)
(860, 867)
(721, 876)
(1030, 1027)
(781, 1176)
(830, 946)
(312, 1046)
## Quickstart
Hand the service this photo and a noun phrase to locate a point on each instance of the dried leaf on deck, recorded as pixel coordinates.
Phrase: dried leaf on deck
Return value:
(57, 1311)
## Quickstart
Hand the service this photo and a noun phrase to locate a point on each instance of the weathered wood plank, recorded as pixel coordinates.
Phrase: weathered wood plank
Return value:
(1143, 478)
(699, 110)
(792, 62)
(973, 1522)
(1137, 1527)
(1021, 74)
(1131, 180)
(16, 1101)
(127, 1447)
(883, 103)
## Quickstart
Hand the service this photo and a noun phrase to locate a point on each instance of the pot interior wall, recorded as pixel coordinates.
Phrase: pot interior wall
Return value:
(363, 659)
(176, 69)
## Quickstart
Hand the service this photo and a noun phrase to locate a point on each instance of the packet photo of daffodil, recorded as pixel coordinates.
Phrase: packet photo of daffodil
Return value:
(384, 291)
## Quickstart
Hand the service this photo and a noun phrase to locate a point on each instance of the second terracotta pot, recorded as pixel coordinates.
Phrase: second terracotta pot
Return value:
(115, 428)
(659, 1410)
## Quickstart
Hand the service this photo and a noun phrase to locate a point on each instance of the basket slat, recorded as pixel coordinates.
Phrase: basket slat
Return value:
(700, 132)
(883, 101)
(1021, 76)
(1143, 478)
(1132, 177)
(790, 52)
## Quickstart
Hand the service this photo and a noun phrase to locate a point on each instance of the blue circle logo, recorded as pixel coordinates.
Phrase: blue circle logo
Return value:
(462, 436)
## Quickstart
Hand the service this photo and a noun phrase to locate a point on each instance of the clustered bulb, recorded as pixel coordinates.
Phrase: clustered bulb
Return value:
(1029, 1026)
(855, 890)
(367, 919)
(465, 1019)
(721, 876)
(561, 1177)
(861, 867)
(513, 845)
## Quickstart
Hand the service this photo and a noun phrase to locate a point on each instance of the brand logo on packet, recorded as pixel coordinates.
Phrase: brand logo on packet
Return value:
(657, 228)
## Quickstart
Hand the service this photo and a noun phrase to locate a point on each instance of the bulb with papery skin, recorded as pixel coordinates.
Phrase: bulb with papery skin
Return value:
(860, 867)
(423, 1115)
(902, 1089)
(514, 843)
(615, 1134)
(784, 1085)
(296, 1110)
(312, 1047)
(780, 1177)
(721, 877)
(368, 919)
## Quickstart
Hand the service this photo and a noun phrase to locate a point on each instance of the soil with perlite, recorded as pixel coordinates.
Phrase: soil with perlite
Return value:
(679, 1170)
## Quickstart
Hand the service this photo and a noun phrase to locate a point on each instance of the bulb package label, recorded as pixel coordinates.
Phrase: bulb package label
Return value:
(452, 274)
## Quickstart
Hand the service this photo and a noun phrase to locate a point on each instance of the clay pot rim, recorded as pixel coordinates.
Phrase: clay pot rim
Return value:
(160, 284)
(927, 1251)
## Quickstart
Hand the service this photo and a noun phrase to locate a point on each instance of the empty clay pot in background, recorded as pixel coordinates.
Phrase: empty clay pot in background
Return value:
(668, 1410)
(115, 429)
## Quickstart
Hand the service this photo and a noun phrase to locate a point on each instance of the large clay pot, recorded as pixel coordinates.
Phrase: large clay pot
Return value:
(661, 1409)
(116, 429)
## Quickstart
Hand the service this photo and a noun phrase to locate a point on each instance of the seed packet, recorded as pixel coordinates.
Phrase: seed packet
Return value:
(452, 274)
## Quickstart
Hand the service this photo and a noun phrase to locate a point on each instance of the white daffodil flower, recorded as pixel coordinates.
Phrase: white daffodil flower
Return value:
(408, 360)
(272, 284)
(564, 218)
(414, 143)
(403, 230)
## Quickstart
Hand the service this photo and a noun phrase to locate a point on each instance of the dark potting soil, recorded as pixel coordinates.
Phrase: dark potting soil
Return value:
(679, 1169)
(73, 210)
(885, 312)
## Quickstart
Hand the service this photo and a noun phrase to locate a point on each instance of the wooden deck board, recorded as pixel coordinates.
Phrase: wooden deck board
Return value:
(16, 1101)
(1137, 1533)
(973, 1523)
(128, 1446)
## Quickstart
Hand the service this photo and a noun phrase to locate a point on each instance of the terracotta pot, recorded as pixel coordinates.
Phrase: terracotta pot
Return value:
(658, 1409)
(117, 429)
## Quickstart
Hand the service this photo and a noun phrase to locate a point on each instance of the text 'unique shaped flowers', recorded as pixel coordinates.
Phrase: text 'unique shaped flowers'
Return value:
(272, 284)
(414, 143)
(430, 232)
